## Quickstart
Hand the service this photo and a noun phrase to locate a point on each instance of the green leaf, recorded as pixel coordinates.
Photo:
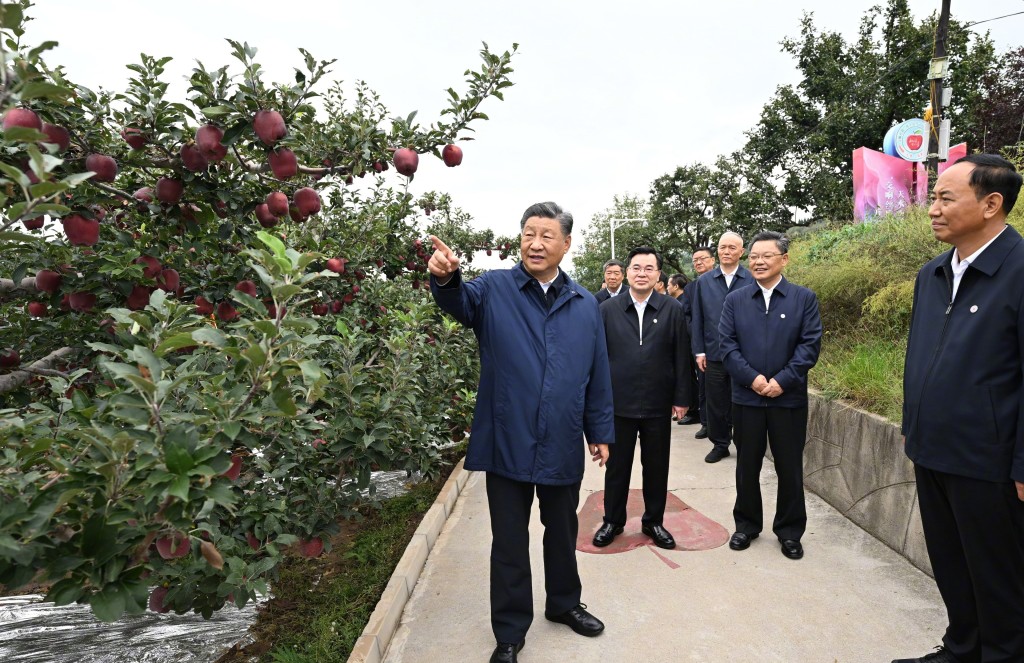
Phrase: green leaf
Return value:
(15, 174)
(23, 134)
(175, 342)
(255, 354)
(231, 429)
(44, 189)
(209, 336)
(109, 604)
(215, 111)
(51, 208)
(37, 89)
(283, 400)
(179, 487)
(274, 244)
(12, 236)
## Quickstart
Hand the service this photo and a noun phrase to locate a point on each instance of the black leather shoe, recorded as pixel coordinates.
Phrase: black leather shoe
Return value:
(662, 537)
(717, 454)
(506, 652)
(940, 655)
(792, 549)
(702, 434)
(689, 420)
(741, 541)
(606, 534)
(579, 620)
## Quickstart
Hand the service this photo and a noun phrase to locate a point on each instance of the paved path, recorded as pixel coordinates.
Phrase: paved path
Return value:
(850, 600)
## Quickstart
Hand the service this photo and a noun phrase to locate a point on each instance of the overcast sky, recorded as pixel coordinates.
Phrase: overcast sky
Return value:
(608, 96)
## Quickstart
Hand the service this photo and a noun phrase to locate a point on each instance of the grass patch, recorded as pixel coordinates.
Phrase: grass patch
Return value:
(320, 606)
(868, 372)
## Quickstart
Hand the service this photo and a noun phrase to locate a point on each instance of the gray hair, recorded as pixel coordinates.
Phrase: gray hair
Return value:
(548, 210)
(781, 241)
(614, 263)
(734, 234)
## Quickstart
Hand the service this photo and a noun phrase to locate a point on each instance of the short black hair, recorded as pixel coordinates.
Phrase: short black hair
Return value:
(781, 241)
(663, 277)
(994, 174)
(548, 210)
(678, 280)
(709, 249)
(643, 251)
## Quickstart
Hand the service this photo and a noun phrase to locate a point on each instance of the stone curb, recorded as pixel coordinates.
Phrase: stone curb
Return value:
(373, 643)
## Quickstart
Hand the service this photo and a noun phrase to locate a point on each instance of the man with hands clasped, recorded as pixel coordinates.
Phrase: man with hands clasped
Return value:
(770, 338)
(544, 384)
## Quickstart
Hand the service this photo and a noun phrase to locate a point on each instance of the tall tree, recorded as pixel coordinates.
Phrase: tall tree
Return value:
(851, 94)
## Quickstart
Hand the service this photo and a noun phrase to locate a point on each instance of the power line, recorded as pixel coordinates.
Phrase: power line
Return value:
(989, 20)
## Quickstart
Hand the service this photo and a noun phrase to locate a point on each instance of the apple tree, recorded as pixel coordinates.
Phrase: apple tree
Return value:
(210, 334)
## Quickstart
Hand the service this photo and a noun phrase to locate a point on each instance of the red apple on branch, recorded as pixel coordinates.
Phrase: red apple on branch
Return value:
(168, 280)
(337, 265)
(265, 216)
(193, 158)
(145, 194)
(277, 203)
(157, 598)
(307, 201)
(48, 280)
(9, 358)
(406, 161)
(169, 190)
(134, 137)
(174, 546)
(58, 136)
(452, 155)
(235, 471)
(22, 117)
(83, 302)
(283, 163)
(226, 312)
(138, 298)
(37, 309)
(269, 126)
(152, 266)
(81, 231)
(204, 307)
(34, 224)
(247, 286)
(208, 140)
(311, 547)
(105, 167)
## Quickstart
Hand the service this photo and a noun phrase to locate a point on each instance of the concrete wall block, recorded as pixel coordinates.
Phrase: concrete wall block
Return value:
(819, 412)
(914, 547)
(365, 650)
(885, 513)
(873, 458)
(388, 613)
(432, 523)
(413, 559)
(449, 493)
(461, 475)
(819, 454)
(830, 484)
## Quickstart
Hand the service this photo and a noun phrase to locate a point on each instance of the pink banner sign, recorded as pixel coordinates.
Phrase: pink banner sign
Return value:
(887, 185)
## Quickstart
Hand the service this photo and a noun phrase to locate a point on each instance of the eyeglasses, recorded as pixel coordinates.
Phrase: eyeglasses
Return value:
(636, 269)
(754, 257)
(702, 259)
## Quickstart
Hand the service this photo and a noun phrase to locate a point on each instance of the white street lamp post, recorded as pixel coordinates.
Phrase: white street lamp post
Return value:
(614, 223)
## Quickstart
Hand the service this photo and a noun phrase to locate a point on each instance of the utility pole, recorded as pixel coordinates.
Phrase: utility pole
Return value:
(617, 222)
(936, 73)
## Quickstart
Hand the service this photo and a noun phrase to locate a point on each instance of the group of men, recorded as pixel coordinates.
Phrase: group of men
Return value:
(557, 367)
(753, 337)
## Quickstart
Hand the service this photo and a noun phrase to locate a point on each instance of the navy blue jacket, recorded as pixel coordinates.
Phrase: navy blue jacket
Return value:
(708, 298)
(544, 376)
(962, 381)
(782, 342)
(648, 377)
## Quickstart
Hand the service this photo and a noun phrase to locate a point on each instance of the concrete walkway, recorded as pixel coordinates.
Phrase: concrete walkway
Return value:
(849, 600)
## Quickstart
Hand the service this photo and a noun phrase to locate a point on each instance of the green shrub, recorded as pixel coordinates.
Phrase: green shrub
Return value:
(887, 312)
(864, 370)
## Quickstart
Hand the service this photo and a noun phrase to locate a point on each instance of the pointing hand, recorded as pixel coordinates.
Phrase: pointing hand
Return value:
(443, 263)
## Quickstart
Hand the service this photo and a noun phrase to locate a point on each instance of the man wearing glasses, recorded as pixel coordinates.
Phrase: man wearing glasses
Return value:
(771, 337)
(708, 298)
(649, 355)
(703, 262)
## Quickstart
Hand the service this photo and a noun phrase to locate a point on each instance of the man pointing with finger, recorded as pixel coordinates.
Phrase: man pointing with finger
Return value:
(544, 384)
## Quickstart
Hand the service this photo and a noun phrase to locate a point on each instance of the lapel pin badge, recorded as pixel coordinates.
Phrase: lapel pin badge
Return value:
(974, 309)
(782, 315)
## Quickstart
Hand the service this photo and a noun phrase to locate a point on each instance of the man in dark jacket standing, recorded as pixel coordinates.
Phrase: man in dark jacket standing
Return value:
(677, 284)
(963, 387)
(544, 384)
(708, 297)
(771, 337)
(703, 262)
(649, 353)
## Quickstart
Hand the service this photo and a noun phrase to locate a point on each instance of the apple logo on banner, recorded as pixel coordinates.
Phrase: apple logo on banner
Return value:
(908, 140)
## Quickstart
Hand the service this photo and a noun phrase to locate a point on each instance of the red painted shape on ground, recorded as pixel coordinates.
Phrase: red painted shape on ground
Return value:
(691, 529)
